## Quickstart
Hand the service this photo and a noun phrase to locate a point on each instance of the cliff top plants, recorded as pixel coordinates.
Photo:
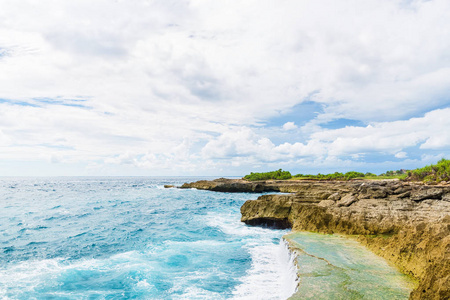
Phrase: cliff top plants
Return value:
(285, 175)
(279, 174)
(333, 176)
(432, 173)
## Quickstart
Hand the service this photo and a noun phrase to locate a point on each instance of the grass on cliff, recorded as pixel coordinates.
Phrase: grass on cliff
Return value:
(432, 173)
(400, 174)
(285, 175)
(333, 176)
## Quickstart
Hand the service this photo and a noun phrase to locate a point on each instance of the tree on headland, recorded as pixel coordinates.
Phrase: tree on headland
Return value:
(278, 174)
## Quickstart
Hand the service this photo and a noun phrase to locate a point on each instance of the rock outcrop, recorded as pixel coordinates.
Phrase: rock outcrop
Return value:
(406, 223)
(245, 186)
(227, 185)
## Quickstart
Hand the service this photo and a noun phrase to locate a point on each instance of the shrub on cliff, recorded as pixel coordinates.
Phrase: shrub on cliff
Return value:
(279, 174)
(333, 176)
(353, 174)
(432, 173)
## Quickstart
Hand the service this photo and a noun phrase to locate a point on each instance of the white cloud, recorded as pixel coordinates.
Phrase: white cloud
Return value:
(388, 138)
(168, 83)
(289, 126)
(401, 154)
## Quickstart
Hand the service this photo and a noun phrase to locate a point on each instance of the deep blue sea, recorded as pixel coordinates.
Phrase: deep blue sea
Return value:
(130, 238)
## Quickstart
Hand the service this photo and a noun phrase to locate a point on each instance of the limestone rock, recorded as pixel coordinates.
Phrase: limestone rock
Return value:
(347, 200)
(227, 185)
(272, 210)
(406, 223)
(334, 197)
(326, 203)
(446, 197)
(422, 194)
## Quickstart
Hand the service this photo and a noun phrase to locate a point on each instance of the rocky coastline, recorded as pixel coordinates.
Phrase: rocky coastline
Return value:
(407, 223)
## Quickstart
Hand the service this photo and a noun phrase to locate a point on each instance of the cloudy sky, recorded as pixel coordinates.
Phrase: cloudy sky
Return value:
(196, 87)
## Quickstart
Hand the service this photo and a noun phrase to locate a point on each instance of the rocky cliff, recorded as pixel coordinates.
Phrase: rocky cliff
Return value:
(406, 223)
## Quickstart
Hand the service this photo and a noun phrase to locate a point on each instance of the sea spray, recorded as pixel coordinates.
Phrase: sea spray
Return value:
(289, 268)
(273, 274)
(270, 274)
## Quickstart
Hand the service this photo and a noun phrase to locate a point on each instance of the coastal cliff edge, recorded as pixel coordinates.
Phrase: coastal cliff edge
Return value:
(407, 223)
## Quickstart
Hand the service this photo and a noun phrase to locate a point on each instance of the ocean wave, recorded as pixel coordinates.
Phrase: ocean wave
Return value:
(272, 274)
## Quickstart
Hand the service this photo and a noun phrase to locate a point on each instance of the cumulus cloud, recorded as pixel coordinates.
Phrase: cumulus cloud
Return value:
(389, 138)
(401, 154)
(160, 84)
(289, 126)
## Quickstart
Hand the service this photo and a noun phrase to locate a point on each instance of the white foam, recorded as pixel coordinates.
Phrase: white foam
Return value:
(230, 224)
(28, 275)
(192, 293)
(290, 276)
(271, 276)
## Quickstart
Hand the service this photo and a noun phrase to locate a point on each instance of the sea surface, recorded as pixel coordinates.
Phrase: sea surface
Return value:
(130, 238)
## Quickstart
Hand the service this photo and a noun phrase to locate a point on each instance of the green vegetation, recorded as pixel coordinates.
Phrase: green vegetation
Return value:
(400, 174)
(334, 176)
(279, 174)
(432, 173)
(284, 175)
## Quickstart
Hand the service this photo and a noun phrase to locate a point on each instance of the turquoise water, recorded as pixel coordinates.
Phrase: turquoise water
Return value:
(334, 267)
(129, 238)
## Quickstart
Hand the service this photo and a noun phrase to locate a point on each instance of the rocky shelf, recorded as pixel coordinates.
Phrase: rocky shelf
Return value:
(407, 223)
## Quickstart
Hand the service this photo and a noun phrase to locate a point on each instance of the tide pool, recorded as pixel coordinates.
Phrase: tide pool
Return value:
(335, 267)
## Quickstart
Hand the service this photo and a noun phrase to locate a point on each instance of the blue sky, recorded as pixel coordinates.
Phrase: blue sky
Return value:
(222, 88)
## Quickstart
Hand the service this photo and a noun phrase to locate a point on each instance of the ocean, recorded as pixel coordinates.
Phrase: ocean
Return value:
(130, 238)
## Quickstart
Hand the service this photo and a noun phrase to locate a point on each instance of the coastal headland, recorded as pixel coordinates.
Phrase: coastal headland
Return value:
(407, 223)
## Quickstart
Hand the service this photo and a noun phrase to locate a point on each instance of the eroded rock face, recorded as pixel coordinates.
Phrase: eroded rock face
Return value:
(228, 185)
(424, 193)
(272, 210)
(408, 224)
(347, 200)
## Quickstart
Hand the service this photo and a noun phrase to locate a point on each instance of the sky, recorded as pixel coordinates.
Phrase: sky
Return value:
(222, 88)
